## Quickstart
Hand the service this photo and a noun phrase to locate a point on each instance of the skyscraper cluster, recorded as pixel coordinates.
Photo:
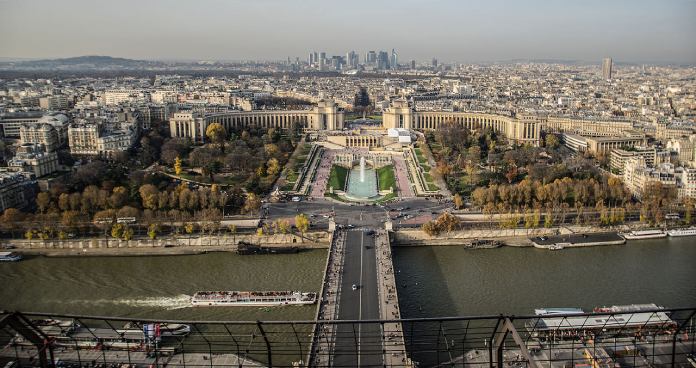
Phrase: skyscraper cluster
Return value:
(372, 60)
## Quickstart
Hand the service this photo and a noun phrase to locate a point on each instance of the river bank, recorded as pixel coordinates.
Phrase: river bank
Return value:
(170, 245)
(405, 237)
(509, 237)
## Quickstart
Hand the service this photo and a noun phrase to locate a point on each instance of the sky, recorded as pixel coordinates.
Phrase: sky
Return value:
(657, 31)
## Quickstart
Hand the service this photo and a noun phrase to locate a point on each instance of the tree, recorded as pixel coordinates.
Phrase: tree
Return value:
(149, 194)
(448, 222)
(233, 231)
(177, 165)
(43, 201)
(116, 231)
(12, 215)
(216, 133)
(458, 201)
(119, 196)
(551, 141)
(273, 167)
(283, 226)
(64, 201)
(688, 211)
(127, 233)
(430, 228)
(152, 231)
(302, 223)
(252, 203)
(548, 219)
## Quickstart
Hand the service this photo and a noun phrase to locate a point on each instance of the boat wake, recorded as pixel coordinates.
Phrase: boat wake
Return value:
(162, 302)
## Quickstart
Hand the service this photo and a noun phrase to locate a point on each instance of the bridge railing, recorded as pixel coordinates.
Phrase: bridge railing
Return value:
(649, 337)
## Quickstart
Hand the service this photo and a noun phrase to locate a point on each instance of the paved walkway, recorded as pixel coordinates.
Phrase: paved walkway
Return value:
(402, 182)
(321, 177)
(392, 337)
(324, 339)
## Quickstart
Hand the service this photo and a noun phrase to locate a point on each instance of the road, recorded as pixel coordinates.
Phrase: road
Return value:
(353, 214)
(356, 344)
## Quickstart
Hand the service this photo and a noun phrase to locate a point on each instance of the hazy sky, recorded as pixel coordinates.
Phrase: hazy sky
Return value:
(451, 30)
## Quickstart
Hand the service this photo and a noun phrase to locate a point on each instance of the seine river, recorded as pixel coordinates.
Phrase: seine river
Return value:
(433, 281)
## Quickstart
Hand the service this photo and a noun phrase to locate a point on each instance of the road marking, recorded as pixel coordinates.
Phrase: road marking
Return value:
(362, 239)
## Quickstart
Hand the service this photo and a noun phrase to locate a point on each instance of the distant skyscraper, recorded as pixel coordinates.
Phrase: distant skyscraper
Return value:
(351, 59)
(322, 61)
(394, 59)
(606, 68)
(434, 63)
(413, 64)
(383, 60)
(311, 59)
(371, 57)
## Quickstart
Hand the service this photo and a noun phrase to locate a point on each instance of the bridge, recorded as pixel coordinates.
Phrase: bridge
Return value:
(359, 285)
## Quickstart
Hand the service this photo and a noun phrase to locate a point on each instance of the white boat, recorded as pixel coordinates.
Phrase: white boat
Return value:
(252, 298)
(165, 329)
(559, 246)
(644, 234)
(10, 257)
(682, 232)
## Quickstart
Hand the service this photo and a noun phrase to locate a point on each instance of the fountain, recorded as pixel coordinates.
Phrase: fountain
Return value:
(362, 182)
(362, 169)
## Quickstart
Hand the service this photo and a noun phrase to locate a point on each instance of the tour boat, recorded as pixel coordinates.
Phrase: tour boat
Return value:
(682, 232)
(163, 329)
(10, 257)
(252, 298)
(644, 234)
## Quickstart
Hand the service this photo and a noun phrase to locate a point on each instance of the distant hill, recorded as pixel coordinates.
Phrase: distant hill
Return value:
(80, 63)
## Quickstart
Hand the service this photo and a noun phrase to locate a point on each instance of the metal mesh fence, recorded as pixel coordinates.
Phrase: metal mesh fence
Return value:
(633, 338)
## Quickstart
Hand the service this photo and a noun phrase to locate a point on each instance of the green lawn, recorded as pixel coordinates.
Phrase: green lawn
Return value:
(337, 177)
(419, 156)
(386, 177)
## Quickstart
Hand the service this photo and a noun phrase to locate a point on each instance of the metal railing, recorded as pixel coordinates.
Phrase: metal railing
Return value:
(649, 337)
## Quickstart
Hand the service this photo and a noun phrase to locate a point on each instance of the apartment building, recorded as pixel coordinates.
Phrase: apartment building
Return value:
(33, 158)
(51, 131)
(17, 190)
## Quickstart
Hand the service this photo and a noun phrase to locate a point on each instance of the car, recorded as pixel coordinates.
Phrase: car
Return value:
(296, 199)
(354, 287)
(370, 232)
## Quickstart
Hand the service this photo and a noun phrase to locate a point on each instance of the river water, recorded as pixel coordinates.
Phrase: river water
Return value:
(157, 287)
(433, 281)
(453, 281)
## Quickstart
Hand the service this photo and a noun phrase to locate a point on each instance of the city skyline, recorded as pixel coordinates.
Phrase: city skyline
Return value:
(635, 32)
